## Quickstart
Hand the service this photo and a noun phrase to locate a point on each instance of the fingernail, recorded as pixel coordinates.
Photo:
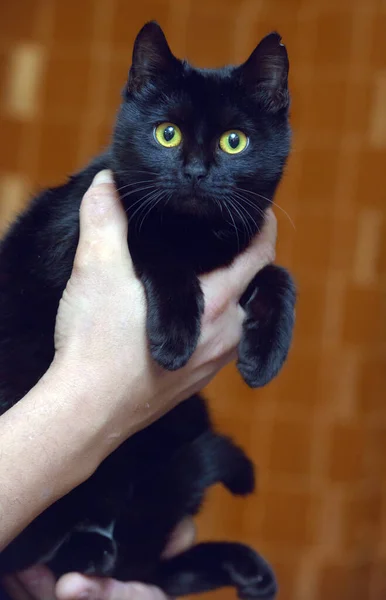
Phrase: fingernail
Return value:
(105, 176)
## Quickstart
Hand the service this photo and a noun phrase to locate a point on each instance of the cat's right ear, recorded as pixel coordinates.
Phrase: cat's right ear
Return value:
(152, 58)
(265, 73)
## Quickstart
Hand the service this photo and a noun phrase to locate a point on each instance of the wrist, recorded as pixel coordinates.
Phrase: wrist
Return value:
(104, 405)
(55, 419)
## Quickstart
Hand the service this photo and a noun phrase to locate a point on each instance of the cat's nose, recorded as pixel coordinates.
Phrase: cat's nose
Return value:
(195, 171)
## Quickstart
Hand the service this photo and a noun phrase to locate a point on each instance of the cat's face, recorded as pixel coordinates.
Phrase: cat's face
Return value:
(209, 143)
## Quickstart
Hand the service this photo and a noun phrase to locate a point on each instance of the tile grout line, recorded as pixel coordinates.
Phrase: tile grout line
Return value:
(31, 139)
(100, 58)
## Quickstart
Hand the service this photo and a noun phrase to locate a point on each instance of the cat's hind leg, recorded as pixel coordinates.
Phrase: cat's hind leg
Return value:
(213, 565)
(173, 493)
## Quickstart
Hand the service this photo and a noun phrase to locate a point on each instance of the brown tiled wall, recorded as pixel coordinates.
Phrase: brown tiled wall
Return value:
(318, 433)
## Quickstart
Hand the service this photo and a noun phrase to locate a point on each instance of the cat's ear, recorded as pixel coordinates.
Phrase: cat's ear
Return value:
(266, 73)
(152, 57)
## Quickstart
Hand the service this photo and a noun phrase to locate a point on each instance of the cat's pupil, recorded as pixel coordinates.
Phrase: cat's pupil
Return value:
(233, 140)
(169, 133)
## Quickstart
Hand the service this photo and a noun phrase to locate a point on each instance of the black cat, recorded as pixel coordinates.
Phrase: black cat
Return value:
(197, 156)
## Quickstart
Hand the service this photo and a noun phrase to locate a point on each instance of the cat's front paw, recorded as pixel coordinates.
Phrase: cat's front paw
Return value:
(175, 304)
(269, 304)
(172, 346)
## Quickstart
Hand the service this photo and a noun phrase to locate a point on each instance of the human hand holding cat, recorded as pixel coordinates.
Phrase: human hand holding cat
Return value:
(100, 338)
(103, 385)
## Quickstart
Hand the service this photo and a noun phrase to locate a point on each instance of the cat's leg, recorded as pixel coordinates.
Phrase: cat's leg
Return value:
(269, 303)
(85, 552)
(175, 304)
(209, 459)
(213, 565)
(173, 493)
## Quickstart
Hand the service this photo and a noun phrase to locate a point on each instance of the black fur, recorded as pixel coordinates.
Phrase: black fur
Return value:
(191, 209)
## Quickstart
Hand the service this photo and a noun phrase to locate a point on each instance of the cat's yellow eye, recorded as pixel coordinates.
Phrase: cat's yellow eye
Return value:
(233, 141)
(168, 135)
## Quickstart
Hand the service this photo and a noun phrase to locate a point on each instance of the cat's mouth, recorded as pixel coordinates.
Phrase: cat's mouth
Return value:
(195, 203)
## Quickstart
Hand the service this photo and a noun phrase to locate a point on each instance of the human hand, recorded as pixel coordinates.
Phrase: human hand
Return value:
(101, 348)
(38, 583)
(100, 336)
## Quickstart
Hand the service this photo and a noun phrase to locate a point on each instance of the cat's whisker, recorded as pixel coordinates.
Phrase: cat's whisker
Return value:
(272, 202)
(154, 201)
(245, 216)
(143, 202)
(248, 202)
(218, 203)
(234, 225)
(254, 193)
(169, 198)
(138, 189)
(242, 200)
(138, 201)
(141, 189)
(134, 183)
(147, 208)
(150, 199)
(127, 174)
(232, 206)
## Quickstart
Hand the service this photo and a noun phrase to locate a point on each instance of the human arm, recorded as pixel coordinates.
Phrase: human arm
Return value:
(58, 434)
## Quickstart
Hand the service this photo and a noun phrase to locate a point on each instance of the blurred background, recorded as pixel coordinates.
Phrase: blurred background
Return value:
(318, 433)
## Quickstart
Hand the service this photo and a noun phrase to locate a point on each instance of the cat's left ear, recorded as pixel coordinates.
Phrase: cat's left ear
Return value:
(265, 73)
(152, 58)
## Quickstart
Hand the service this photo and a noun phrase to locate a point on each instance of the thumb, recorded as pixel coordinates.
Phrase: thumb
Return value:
(74, 586)
(103, 225)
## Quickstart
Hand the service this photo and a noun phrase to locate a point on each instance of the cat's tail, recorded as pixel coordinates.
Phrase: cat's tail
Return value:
(211, 459)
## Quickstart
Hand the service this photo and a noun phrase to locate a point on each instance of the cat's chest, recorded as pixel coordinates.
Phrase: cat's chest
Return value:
(186, 248)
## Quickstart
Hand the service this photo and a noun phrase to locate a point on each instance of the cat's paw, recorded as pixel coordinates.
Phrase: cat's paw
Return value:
(175, 304)
(174, 345)
(267, 331)
(85, 552)
(251, 575)
(260, 587)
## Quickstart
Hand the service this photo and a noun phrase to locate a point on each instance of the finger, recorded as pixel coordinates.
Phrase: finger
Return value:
(78, 587)
(39, 582)
(238, 275)
(103, 223)
(259, 254)
(181, 539)
(14, 588)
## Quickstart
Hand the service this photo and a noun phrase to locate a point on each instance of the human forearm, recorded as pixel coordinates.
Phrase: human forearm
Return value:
(47, 447)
